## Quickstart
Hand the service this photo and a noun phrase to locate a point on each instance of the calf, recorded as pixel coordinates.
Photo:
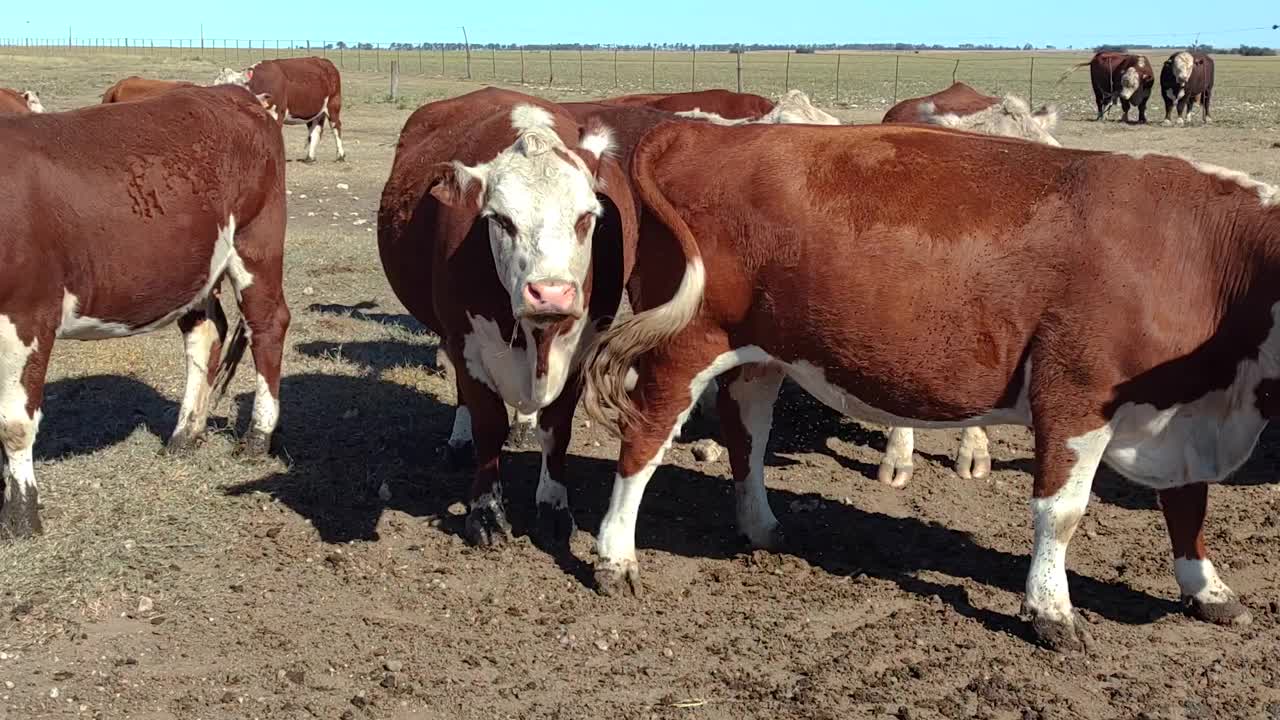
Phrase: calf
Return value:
(503, 227)
(120, 219)
(19, 103)
(963, 108)
(304, 91)
(979, 280)
(1184, 78)
(135, 87)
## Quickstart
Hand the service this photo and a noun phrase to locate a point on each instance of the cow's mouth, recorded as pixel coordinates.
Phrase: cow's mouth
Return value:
(543, 319)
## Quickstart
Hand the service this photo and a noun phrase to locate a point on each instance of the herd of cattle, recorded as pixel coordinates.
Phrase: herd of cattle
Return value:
(1185, 78)
(953, 266)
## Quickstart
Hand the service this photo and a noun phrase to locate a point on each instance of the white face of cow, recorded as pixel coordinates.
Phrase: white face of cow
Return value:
(1129, 82)
(232, 77)
(795, 108)
(1011, 117)
(33, 101)
(1183, 64)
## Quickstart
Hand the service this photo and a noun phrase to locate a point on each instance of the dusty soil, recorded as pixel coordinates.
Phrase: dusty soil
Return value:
(332, 581)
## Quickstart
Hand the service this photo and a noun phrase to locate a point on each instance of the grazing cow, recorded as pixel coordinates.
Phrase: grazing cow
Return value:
(963, 108)
(21, 103)
(979, 280)
(503, 228)
(304, 91)
(1119, 76)
(725, 103)
(120, 219)
(134, 87)
(1184, 78)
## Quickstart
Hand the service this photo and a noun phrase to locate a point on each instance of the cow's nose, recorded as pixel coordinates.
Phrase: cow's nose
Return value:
(550, 296)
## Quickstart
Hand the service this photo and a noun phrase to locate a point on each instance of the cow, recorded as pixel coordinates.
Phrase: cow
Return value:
(305, 91)
(978, 280)
(121, 219)
(134, 87)
(1119, 76)
(725, 103)
(1184, 78)
(961, 107)
(19, 102)
(504, 227)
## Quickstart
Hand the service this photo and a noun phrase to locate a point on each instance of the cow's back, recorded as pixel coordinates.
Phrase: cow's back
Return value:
(959, 99)
(725, 103)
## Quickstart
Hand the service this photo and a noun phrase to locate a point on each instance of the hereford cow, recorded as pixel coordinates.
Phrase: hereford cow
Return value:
(963, 108)
(21, 103)
(794, 108)
(134, 87)
(504, 227)
(305, 91)
(1184, 78)
(725, 103)
(121, 219)
(1152, 344)
(1119, 76)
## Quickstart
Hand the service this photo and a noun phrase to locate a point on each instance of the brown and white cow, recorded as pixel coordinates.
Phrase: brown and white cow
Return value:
(304, 91)
(135, 87)
(725, 103)
(124, 218)
(19, 102)
(1185, 78)
(979, 280)
(1119, 76)
(963, 108)
(503, 228)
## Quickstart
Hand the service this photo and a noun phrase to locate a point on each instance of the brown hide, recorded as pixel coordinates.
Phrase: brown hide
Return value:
(959, 99)
(135, 87)
(11, 101)
(727, 104)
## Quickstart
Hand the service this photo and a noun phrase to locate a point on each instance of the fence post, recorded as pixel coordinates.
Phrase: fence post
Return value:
(420, 70)
(615, 67)
(277, 49)
(395, 79)
(837, 77)
(494, 57)
(551, 70)
(955, 70)
(693, 69)
(739, 54)
(787, 80)
(653, 68)
(1031, 84)
(897, 60)
(580, 75)
(377, 56)
(442, 60)
(522, 65)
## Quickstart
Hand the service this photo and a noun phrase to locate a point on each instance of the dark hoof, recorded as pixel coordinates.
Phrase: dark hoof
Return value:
(619, 578)
(256, 444)
(1071, 635)
(308, 161)
(487, 524)
(459, 457)
(1231, 612)
(523, 437)
(342, 158)
(19, 523)
(182, 443)
(554, 527)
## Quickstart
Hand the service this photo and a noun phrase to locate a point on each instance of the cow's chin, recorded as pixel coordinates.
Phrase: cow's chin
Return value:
(552, 355)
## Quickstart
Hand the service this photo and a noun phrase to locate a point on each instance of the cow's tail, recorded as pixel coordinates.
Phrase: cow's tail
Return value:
(1071, 70)
(231, 357)
(613, 353)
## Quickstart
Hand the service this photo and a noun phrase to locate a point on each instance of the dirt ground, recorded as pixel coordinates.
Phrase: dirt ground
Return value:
(333, 582)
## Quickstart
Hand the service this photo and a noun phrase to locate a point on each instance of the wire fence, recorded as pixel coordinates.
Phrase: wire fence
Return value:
(842, 78)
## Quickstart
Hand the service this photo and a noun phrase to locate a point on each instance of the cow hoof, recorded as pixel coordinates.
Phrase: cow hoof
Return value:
(1061, 635)
(554, 527)
(970, 466)
(183, 442)
(342, 158)
(19, 521)
(618, 578)
(487, 524)
(256, 444)
(522, 437)
(894, 475)
(1230, 612)
(308, 160)
(459, 457)
(1166, 123)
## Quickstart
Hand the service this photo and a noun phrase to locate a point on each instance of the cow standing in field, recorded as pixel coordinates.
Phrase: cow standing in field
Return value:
(135, 87)
(19, 102)
(979, 281)
(1185, 78)
(304, 91)
(963, 108)
(121, 219)
(1119, 76)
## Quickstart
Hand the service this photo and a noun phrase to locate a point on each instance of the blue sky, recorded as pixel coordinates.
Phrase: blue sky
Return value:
(1075, 22)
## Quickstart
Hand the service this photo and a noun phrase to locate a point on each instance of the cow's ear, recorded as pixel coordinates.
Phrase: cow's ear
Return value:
(594, 143)
(457, 185)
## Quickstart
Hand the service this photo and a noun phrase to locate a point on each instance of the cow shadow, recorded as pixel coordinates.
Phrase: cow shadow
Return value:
(359, 311)
(83, 415)
(375, 355)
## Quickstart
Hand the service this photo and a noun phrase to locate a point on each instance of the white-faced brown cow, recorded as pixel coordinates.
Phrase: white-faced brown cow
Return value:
(304, 91)
(19, 102)
(503, 228)
(1120, 76)
(120, 219)
(963, 108)
(135, 87)
(1185, 78)
(980, 280)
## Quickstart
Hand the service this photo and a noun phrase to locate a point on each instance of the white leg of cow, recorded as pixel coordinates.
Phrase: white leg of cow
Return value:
(460, 436)
(973, 461)
(895, 466)
(20, 514)
(315, 128)
(337, 138)
(1203, 593)
(202, 337)
(1055, 518)
(748, 402)
(266, 409)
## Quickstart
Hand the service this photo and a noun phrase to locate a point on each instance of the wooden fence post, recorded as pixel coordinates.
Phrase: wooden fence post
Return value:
(739, 54)
(653, 68)
(551, 69)
(442, 60)
(837, 77)
(897, 60)
(580, 75)
(494, 58)
(522, 65)
(615, 67)
(787, 80)
(1031, 84)
(955, 70)
(693, 68)
(395, 79)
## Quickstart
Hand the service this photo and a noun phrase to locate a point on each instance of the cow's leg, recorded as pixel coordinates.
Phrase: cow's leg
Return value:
(22, 372)
(260, 294)
(895, 466)
(203, 333)
(1124, 105)
(746, 398)
(459, 451)
(973, 460)
(315, 128)
(1183, 108)
(335, 121)
(486, 523)
(1100, 100)
(524, 431)
(666, 389)
(1142, 113)
(1203, 592)
(1204, 107)
(1068, 452)
(555, 525)
(1168, 107)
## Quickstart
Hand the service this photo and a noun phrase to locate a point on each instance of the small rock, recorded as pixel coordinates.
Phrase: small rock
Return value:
(706, 451)
(359, 699)
(335, 559)
(393, 666)
(667, 652)
(146, 604)
(53, 693)
(343, 186)
(311, 214)
(361, 221)
(347, 715)
(384, 492)
(8, 684)
(274, 531)
(601, 645)
(158, 620)
(297, 677)
(303, 196)
(228, 697)
(308, 290)
(389, 680)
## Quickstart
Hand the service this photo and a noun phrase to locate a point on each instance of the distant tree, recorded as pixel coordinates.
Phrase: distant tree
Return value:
(1251, 51)
(805, 51)
(1028, 46)
(342, 45)
(1111, 48)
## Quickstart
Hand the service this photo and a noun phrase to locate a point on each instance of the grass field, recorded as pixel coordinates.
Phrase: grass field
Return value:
(332, 581)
